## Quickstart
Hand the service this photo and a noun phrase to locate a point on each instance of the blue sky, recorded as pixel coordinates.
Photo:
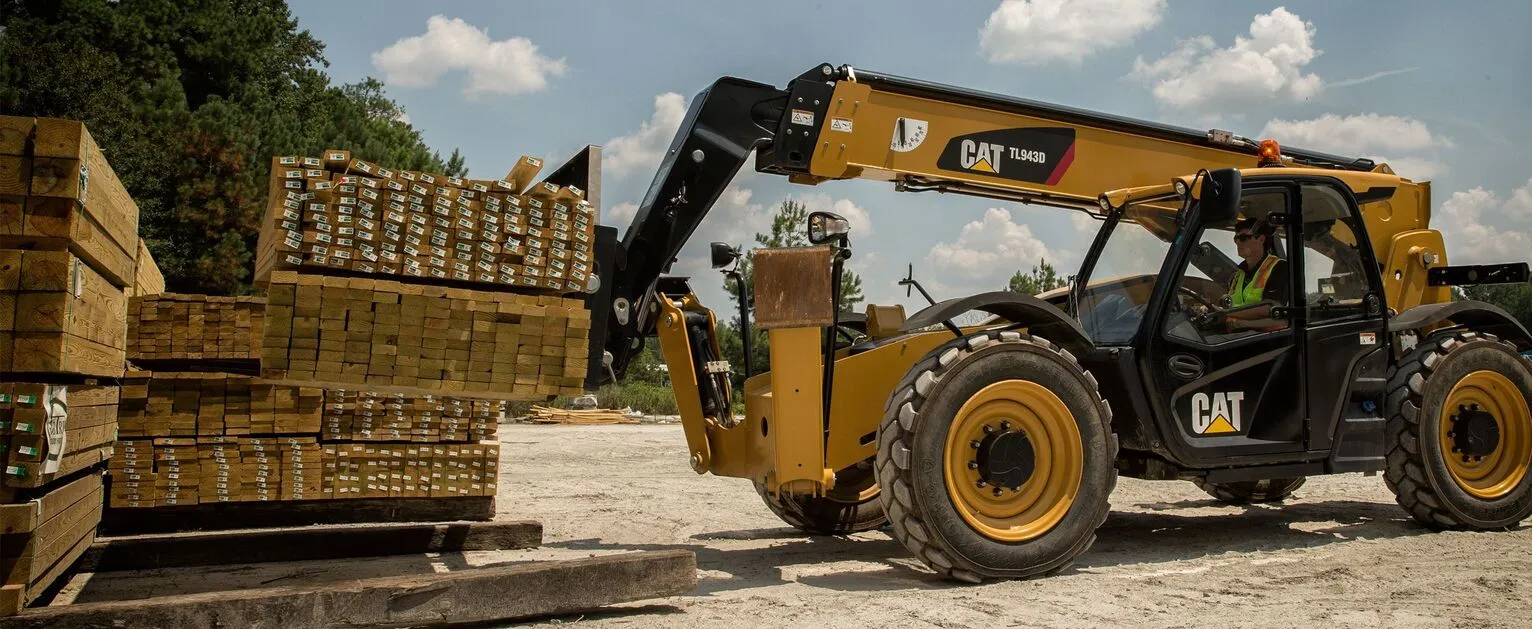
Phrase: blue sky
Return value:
(1438, 90)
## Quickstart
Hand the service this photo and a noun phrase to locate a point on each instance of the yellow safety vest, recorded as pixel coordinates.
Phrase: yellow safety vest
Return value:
(1242, 294)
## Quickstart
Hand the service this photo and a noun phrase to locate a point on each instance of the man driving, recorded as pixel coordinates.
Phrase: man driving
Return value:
(1261, 278)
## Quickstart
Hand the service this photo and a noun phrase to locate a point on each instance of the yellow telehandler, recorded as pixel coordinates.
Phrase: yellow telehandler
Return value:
(1247, 316)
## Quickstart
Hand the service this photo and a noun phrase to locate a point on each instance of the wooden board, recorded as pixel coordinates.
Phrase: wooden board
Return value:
(475, 595)
(793, 287)
(188, 404)
(250, 515)
(103, 195)
(372, 540)
(16, 134)
(175, 326)
(62, 225)
(43, 537)
(147, 280)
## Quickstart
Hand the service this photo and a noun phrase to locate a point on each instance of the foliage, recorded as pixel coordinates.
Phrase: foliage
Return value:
(1043, 278)
(1515, 299)
(190, 100)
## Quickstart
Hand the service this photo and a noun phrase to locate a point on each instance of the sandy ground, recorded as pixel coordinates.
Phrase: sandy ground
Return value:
(1341, 554)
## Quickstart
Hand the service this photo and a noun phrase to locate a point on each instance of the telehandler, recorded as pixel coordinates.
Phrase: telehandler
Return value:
(1247, 316)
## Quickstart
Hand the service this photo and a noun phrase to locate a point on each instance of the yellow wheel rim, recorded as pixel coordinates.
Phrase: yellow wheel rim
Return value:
(1040, 502)
(1495, 473)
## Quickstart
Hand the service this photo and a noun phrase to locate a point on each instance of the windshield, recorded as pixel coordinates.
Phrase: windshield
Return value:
(1118, 288)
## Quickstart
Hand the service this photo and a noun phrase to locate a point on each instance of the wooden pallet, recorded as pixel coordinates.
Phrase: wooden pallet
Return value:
(547, 415)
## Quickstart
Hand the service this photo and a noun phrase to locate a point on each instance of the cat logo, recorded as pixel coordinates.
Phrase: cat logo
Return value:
(1217, 414)
(980, 156)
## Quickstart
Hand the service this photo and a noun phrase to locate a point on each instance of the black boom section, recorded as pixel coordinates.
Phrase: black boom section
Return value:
(725, 123)
(1042, 318)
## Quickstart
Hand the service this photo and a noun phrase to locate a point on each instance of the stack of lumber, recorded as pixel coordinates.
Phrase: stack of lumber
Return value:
(69, 253)
(148, 280)
(190, 404)
(177, 472)
(348, 331)
(174, 326)
(369, 416)
(41, 538)
(548, 415)
(338, 213)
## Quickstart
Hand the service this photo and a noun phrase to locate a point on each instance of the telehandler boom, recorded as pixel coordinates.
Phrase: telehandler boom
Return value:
(1247, 316)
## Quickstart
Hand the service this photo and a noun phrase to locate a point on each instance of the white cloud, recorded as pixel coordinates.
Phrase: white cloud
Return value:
(1355, 134)
(1368, 135)
(1266, 66)
(1480, 227)
(508, 66)
(643, 149)
(1033, 32)
(987, 251)
(620, 215)
(734, 219)
(1373, 77)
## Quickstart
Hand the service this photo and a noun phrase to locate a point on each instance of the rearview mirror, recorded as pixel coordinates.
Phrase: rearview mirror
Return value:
(824, 227)
(1220, 196)
(723, 254)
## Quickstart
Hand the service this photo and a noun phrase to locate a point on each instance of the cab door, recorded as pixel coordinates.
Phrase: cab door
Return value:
(1225, 392)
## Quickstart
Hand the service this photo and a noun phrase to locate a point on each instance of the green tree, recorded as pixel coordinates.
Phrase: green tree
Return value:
(190, 100)
(1043, 278)
(1515, 299)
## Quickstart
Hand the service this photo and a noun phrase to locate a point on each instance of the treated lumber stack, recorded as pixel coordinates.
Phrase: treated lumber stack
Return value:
(147, 278)
(41, 538)
(548, 415)
(52, 432)
(189, 404)
(338, 213)
(369, 416)
(59, 316)
(426, 339)
(174, 326)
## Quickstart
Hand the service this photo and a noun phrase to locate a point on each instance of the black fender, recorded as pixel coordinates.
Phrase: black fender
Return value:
(1477, 315)
(1042, 318)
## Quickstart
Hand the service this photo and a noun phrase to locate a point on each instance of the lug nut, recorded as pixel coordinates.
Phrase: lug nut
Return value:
(1005, 426)
(980, 483)
(998, 492)
(973, 444)
(1465, 458)
(988, 429)
(973, 465)
(1451, 434)
(1478, 458)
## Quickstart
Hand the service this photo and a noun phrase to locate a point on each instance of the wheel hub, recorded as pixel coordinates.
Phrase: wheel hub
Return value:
(1006, 459)
(1475, 432)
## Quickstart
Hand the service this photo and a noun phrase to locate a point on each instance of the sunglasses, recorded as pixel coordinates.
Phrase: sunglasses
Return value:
(1244, 237)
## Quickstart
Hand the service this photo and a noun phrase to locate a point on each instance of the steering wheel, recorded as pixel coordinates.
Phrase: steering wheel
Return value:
(1197, 296)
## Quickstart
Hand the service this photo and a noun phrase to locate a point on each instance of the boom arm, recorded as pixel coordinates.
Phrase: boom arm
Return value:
(846, 124)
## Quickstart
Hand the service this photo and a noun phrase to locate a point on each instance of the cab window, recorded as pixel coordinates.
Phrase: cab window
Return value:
(1238, 273)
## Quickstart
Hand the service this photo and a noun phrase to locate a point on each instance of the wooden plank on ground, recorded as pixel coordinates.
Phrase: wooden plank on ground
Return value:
(252, 515)
(477, 595)
(205, 549)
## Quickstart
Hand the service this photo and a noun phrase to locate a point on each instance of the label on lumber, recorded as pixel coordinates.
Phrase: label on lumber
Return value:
(54, 430)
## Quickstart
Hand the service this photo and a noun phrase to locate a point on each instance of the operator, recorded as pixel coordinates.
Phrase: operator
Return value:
(1261, 277)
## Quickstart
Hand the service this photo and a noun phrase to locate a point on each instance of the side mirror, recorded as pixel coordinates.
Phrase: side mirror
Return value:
(723, 255)
(824, 227)
(1220, 196)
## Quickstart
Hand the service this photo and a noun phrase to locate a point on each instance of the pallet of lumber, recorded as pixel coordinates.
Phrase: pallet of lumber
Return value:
(337, 332)
(335, 212)
(172, 472)
(58, 315)
(57, 192)
(351, 415)
(53, 431)
(42, 538)
(549, 415)
(192, 404)
(174, 326)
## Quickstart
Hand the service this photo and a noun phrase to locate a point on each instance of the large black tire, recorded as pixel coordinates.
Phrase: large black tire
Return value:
(913, 435)
(1418, 471)
(852, 506)
(1252, 491)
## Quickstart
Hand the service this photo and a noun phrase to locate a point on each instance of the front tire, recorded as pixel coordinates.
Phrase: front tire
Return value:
(1035, 419)
(1460, 433)
(852, 506)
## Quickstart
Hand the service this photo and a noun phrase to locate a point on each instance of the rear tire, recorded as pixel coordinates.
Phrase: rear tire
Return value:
(852, 506)
(1252, 491)
(962, 391)
(1438, 391)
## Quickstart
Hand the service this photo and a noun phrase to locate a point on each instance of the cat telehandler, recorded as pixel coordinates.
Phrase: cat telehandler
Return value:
(1248, 315)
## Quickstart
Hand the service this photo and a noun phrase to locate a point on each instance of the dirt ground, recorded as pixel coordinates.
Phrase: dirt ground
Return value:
(1341, 554)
